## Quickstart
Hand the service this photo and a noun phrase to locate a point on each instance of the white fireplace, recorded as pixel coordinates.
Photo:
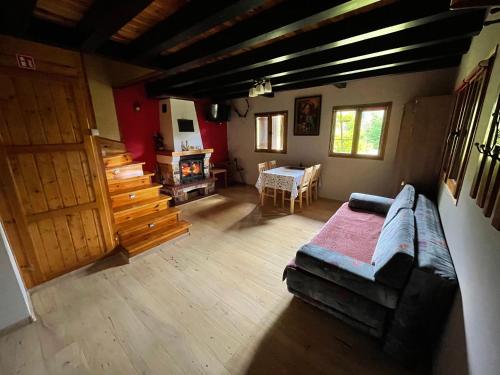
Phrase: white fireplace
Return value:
(185, 165)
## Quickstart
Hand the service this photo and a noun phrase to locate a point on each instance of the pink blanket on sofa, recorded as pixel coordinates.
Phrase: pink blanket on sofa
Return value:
(352, 233)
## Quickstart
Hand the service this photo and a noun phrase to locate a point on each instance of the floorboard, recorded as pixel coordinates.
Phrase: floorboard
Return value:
(211, 303)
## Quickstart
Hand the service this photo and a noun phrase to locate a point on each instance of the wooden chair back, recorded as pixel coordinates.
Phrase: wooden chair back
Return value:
(272, 164)
(306, 179)
(262, 167)
(317, 172)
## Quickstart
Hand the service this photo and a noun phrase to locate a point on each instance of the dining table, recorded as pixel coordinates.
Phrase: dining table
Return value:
(287, 178)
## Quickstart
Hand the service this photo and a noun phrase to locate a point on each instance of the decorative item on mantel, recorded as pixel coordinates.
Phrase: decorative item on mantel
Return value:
(186, 147)
(159, 145)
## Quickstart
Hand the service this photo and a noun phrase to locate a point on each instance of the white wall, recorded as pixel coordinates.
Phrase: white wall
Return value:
(179, 109)
(14, 300)
(475, 248)
(102, 76)
(340, 176)
(101, 94)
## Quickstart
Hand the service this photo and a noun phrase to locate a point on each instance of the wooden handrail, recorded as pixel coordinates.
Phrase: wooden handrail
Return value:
(110, 144)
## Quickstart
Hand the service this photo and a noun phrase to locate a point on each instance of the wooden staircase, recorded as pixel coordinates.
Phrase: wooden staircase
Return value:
(143, 218)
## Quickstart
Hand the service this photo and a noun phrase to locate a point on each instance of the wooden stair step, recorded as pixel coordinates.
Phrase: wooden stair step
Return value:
(126, 191)
(125, 171)
(148, 223)
(136, 194)
(136, 209)
(147, 219)
(153, 232)
(126, 183)
(111, 152)
(116, 160)
(155, 238)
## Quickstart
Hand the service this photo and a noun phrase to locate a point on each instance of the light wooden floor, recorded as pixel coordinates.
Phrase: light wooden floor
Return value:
(213, 303)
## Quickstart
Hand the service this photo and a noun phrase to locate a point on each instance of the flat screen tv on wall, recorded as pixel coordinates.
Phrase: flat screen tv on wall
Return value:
(185, 125)
(218, 112)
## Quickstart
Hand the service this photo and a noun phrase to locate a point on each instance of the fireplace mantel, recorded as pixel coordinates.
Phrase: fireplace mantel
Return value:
(185, 153)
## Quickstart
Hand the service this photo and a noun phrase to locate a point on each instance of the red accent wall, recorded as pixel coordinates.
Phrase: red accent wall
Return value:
(213, 134)
(137, 128)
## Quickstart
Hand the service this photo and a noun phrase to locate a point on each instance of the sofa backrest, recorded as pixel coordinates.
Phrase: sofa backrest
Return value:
(433, 255)
(405, 199)
(428, 295)
(395, 250)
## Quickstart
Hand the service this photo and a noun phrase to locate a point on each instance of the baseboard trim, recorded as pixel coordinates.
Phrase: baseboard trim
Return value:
(15, 326)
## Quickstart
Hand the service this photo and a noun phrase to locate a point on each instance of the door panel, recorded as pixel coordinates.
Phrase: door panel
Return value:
(51, 166)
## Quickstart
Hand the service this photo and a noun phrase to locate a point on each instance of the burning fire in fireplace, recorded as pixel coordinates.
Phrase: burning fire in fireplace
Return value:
(191, 169)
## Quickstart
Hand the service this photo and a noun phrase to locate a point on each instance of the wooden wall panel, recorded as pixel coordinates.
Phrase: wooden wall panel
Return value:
(12, 232)
(56, 205)
(49, 181)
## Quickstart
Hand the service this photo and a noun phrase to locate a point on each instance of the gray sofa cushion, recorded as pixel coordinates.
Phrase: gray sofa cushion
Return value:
(433, 255)
(347, 272)
(405, 199)
(429, 293)
(395, 250)
(373, 203)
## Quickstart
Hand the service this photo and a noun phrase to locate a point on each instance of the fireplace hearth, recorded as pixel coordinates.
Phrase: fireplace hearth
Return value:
(186, 173)
(192, 168)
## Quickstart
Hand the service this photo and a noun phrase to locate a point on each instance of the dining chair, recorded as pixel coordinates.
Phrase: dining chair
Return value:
(303, 189)
(266, 191)
(314, 186)
(272, 164)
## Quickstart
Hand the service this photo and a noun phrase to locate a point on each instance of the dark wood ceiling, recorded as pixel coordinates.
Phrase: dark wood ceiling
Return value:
(218, 48)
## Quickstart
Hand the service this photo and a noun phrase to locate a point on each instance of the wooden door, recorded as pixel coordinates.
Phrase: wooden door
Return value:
(421, 142)
(56, 208)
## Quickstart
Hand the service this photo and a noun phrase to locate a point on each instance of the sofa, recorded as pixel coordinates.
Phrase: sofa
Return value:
(383, 266)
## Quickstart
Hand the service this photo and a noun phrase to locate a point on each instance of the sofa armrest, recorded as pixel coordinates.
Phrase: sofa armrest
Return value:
(345, 271)
(315, 258)
(373, 203)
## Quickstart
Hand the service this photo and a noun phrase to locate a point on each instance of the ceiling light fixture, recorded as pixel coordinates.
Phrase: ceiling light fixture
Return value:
(260, 87)
(252, 93)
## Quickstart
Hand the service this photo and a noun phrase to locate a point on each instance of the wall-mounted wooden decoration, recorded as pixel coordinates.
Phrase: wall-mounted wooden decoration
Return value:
(469, 100)
(486, 184)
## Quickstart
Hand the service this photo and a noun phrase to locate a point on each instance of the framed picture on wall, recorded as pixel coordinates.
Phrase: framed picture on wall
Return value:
(307, 115)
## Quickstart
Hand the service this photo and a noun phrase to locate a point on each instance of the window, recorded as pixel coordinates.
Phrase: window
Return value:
(270, 132)
(465, 117)
(359, 131)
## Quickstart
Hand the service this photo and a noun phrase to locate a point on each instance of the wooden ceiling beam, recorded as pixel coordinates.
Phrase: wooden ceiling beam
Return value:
(461, 4)
(15, 16)
(43, 31)
(403, 67)
(361, 29)
(195, 18)
(438, 33)
(104, 18)
(383, 21)
(424, 54)
(286, 18)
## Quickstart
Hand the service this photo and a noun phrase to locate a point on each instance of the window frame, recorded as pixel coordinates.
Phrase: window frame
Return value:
(359, 108)
(269, 116)
(464, 120)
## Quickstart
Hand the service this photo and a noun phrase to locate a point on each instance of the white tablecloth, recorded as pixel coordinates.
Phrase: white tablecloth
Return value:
(282, 178)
